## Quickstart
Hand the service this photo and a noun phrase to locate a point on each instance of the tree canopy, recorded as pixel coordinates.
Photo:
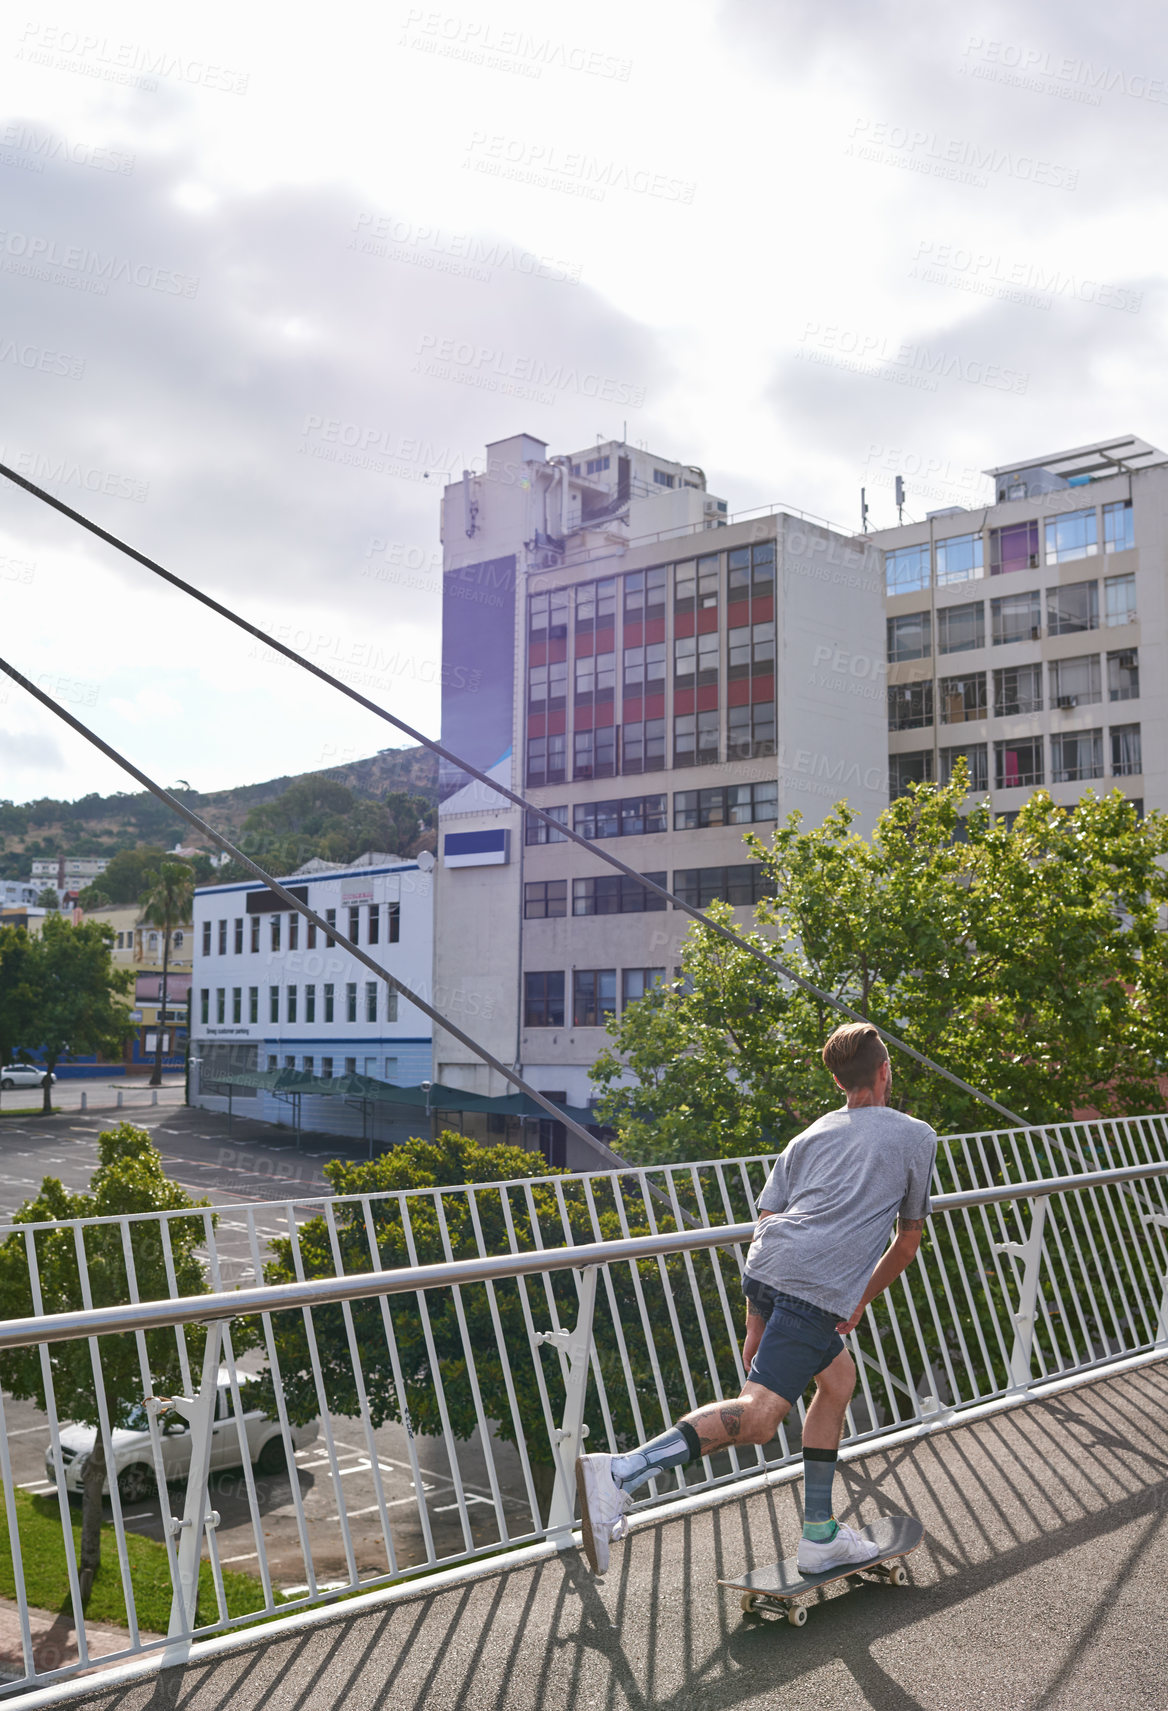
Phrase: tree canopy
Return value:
(73, 993)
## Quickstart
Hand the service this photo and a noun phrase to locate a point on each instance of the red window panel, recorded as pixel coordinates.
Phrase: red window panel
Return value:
(537, 724)
(762, 608)
(738, 615)
(604, 714)
(557, 649)
(655, 630)
(605, 640)
(654, 706)
(583, 719)
(738, 692)
(585, 644)
(557, 722)
(683, 701)
(707, 620)
(762, 688)
(683, 625)
(537, 653)
(707, 697)
(632, 708)
(634, 637)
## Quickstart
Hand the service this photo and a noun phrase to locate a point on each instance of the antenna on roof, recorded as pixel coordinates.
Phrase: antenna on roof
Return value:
(900, 498)
(863, 511)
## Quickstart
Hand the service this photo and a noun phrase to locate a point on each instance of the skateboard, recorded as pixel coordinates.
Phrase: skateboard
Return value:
(778, 1585)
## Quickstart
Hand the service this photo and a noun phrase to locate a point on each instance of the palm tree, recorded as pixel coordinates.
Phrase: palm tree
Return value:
(168, 905)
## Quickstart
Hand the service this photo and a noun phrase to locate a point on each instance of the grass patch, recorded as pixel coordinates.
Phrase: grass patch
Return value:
(32, 1111)
(47, 1582)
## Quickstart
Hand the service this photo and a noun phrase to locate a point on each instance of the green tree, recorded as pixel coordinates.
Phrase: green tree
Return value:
(48, 899)
(1031, 962)
(167, 906)
(93, 897)
(17, 997)
(130, 1178)
(76, 989)
(131, 873)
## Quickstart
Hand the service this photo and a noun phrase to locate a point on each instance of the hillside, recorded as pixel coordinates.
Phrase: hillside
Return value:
(103, 825)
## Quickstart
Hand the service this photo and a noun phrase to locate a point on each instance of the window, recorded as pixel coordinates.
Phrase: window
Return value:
(750, 730)
(916, 767)
(275, 932)
(326, 1068)
(206, 938)
(220, 1004)
(1075, 682)
(547, 685)
(545, 899)
(594, 753)
(910, 705)
(1017, 762)
(615, 894)
(695, 584)
(537, 831)
(975, 757)
(237, 1004)
(751, 570)
(255, 932)
(910, 637)
(310, 1003)
(663, 478)
(643, 746)
(273, 1003)
(593, 996)
(1118, 534)
(371, 1001)
(355, 922)
(391, 1004)
(595, 605)
(373, 930)
(289, 1063)
(543, 999)
(351, 1001)
(293, 932)
(1014, 548)
(627, 816)
(645, 594)
(290, 1003)
(204, 1005)
(1072, 609)
(744, 884)
(1075, 755)
(253, 1003)
(960, 628)
(906, 569)
(1017, 690)
(644, 669)
(595, 465)
(959, 559)
(725, 805)
(752, 650)
(595, 678)
(177, 940)
(695, 659)
(546, 759)
(1126, 758)
(223, 938)
(1123, 675)
(1016, 618)
(238, 936)
(635, 982)
(1071, 536)
(695, 738)
(308, 1062)
(273, 1061)
(962, 698)
(328, 1002)
(547, 615)
(1119, 599)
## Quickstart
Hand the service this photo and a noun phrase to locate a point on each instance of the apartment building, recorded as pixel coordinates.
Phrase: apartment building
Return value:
(138, 946)
(1028, 634)
(660, 676)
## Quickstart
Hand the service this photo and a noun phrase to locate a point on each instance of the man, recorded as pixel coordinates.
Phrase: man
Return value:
(811, 1270)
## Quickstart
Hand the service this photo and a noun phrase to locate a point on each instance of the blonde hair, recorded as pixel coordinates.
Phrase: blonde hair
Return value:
(854, 1054)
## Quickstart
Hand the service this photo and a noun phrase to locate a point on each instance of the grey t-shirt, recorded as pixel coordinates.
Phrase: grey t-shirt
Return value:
(835, 1191)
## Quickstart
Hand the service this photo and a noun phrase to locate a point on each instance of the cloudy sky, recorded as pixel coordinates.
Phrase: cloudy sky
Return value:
(819, 245)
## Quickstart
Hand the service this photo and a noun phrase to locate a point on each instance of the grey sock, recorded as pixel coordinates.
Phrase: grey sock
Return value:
(671, 1449)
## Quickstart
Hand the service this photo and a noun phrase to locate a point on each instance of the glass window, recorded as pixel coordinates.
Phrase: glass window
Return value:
(596, 605)
(374, 929)
(392, 923)
(238, 936)
(330, 916)
(1123, 675)
(547, 615)
(915, 767)
(906, 569)
(293, 931)
(959, 559)
(1075, 682)
(635, 982)
(962, 698)
(685, 653)
(354, 923)
(643, 814)
(329, 1002)
(960, 628)
(1014, 548)
(1017, 762)
(547, 685)
(1120, 600)
(543, 999)
(1073, 608)
(222, 938)
(1016, 618)
(309, 1003)
(1071, 536)
(1118, 533)
(205, 1004)
(547, 759)
(615, 894)
(594, 753)
(707, 577)
(273, 1003)
(537, 831)
(275, 932)
(593, 996)
(910, 637)
(351, 1001)
(752, 650)
(206, 938)
(326, 1069)
(976, 757)
(663, 478)
(645, 594)
(1017, 689)
(255, 932)
(545, 899)
(909, 705)
(644, 669)
(643, 746)
(371, 1001)
(1126, 757)
(290, 996)
(253, 1004)
(742, 885)
(750, 730)
(695, 738)
(1076, 755)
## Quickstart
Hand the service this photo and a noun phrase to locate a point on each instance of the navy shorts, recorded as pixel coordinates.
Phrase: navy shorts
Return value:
(799, 1340)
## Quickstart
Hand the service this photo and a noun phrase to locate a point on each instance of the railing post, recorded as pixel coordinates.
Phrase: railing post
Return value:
(577, 1345)
(84, 1100)
(199, 1411)
(119, 1103)
(1160, 1219)
(1030, 1253)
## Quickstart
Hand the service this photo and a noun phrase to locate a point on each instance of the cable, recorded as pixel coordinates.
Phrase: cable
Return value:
(563, 831)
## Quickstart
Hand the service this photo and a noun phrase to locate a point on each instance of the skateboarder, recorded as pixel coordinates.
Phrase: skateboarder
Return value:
(811, 1269)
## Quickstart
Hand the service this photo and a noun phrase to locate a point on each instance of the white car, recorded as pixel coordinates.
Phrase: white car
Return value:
(134, 1457)
(23, 1075)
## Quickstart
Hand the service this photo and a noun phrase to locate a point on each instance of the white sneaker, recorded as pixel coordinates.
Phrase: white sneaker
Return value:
(603, 1506)
(816, 1556)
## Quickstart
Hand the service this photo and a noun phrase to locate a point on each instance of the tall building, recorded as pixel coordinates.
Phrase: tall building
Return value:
(1028, 634)
(653, 672)
(137, 945)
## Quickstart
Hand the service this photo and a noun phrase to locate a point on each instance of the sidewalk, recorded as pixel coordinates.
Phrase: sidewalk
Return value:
(54, 1639)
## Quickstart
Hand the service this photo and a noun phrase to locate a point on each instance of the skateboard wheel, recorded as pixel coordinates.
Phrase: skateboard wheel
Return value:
(797, 1615)
(898, 1575)
(748, 1604)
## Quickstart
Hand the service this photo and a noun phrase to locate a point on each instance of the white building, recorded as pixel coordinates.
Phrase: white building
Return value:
(15, 893)
(654, 672)
(271, 991)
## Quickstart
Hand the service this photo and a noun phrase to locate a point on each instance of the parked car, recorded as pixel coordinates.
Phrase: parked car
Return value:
(23, 1075)
(134, 1457)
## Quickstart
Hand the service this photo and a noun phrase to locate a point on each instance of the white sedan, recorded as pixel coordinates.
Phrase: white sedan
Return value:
(134, 1457)
(23, 1075)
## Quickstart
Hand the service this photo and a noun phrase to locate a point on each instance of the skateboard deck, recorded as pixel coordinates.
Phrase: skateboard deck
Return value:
(776, 1585)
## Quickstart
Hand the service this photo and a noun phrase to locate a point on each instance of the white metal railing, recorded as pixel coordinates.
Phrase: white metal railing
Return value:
(492, 1327)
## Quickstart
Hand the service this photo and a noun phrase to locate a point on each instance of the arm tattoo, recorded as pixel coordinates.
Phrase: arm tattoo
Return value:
(904, 1226)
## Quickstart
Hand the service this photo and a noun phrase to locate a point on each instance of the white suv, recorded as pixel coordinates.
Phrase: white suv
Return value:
(134, 1458)
(23, 1075)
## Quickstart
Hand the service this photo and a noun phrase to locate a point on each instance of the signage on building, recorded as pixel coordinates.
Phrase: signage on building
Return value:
(478, 671)
(491, 848)
(356, 891)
